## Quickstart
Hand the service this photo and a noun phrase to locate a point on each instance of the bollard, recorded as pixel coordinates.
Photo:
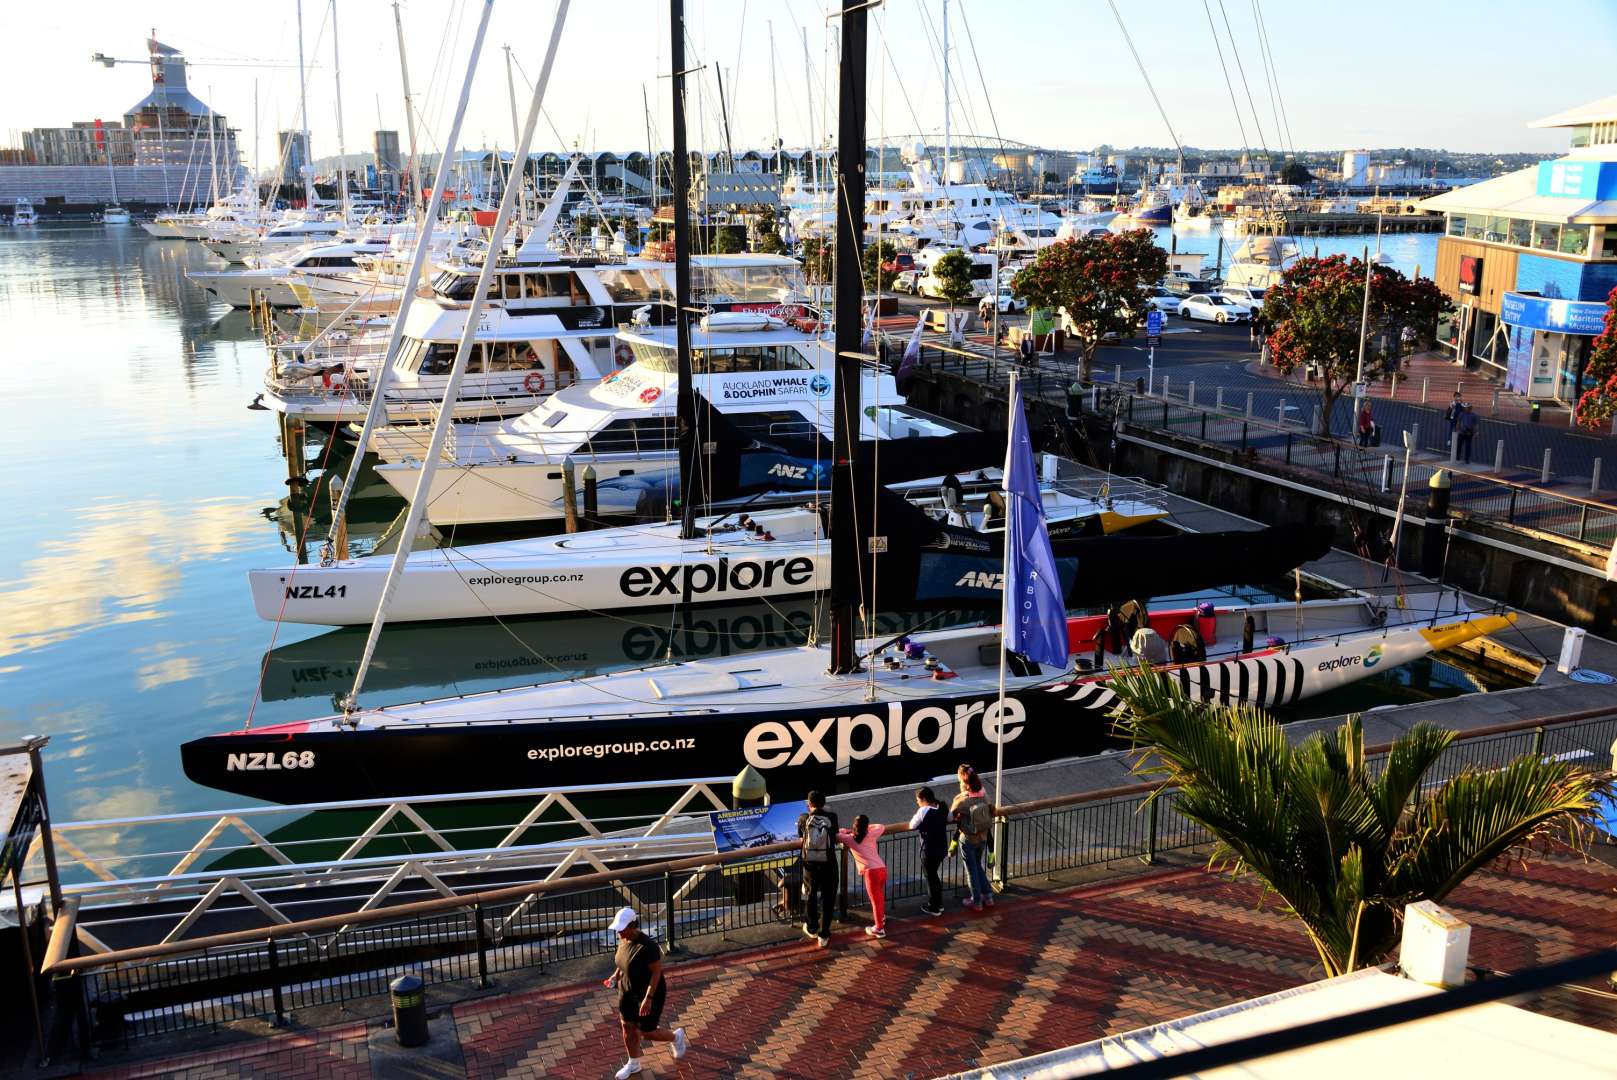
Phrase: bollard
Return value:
(1249, 404)
(1218, 399)
(1594, 477)
(1117, 375)
(1386, 473)
(409, 1010)
(569, 493)
(1414, 436)
(1494, 410)
(1544, 473)
(1571, 649)
(1190, 393)
(1434, 533)
(1280, 411)
(1499, 455)
(1165, 386)
(748, 789)
(1454, 447)
(590, 499)
(1425, 385)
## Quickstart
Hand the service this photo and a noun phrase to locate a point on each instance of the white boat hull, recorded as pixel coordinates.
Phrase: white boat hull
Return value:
(236, 288)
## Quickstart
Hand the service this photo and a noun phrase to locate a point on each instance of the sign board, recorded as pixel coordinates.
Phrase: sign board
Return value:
(1577, 179)
(1556, 316)
(1153, 327)
(1471, 274)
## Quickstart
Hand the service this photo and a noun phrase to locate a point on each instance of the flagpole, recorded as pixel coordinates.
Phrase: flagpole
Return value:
(1005, 596)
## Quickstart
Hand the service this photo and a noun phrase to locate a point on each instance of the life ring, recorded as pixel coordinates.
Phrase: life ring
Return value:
(623, 354)
(534, 381)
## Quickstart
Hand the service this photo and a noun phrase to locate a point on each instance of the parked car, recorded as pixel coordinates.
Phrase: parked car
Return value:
(1163, 300)
(1186, 286)
(1006, 300)
(1249, 296)
(899, 263)
(907, 281)
(1214, 307)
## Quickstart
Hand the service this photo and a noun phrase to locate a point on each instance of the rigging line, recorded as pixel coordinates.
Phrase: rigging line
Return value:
(971, 39)
(1263, 35)
(1269, 79)
(1144, 75)
(1239, 123)
(955, 85)
(1235, 49)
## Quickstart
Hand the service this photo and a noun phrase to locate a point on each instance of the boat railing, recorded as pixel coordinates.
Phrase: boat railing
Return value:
(498, 926)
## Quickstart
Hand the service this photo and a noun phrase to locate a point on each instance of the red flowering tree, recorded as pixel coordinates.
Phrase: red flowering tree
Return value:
(1317, 310)
(1598, 404)
(1099, 281)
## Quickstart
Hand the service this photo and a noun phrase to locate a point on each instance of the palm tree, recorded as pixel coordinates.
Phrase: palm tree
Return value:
(1344, 846)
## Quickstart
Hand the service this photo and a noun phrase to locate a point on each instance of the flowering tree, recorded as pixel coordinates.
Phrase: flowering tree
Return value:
(1317, 310)
(1599, 403)
(877, 260)
(819, 259)
(1099, 281)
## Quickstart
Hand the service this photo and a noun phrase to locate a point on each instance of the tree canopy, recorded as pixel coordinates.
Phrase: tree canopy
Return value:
(1317, 310)
(875, 259)
(1345, 846)
(819, 259)
(1100, 281)
(1295, 172)
(953, 274)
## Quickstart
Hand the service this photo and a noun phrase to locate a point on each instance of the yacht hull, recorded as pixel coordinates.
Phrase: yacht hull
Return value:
(648, 726)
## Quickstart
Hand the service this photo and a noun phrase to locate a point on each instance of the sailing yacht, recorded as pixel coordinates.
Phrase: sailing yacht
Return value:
(1261, 261)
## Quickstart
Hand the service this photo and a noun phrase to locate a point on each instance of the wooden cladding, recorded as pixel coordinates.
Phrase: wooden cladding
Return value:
(1498, 271)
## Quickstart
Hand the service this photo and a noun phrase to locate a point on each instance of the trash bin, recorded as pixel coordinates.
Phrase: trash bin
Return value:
(409, 1010)
(1532, 412)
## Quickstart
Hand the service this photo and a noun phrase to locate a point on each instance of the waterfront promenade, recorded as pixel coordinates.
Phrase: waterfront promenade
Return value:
(1043, 969)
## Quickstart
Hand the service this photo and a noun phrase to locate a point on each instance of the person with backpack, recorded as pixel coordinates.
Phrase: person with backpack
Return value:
(818, 828)
(931, 822)
(861, 840)
(974, 823)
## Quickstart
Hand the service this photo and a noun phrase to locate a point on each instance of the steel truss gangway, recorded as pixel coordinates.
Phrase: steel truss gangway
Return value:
(164, 878)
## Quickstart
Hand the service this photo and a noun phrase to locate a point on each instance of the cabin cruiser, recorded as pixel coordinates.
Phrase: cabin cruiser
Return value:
(114, 215)
(1260, 262)
(771, 380)
(23, 213)
(517, 361)
(239, 208)
(241, 244)
(1012, 242)
(273, 281)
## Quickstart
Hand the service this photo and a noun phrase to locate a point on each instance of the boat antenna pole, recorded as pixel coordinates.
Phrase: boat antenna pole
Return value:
(418, 260)
(463, 352)
(849, 333)
(944, 179)
(409, 124)
(342, 149)
(685, 401)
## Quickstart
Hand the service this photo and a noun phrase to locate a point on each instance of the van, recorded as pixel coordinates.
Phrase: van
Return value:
(982, 279)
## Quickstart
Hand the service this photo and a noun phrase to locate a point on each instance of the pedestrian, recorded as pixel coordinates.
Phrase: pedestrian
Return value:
(642, 990)
(931, 821)
(1367, 424)
(1451, 415)
(1025, 348)
(818, 828)
(1467, 431)
(861, 840)
(974, 827)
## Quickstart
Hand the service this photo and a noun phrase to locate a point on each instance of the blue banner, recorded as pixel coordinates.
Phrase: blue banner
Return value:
(1036, 616)
(756, 826)
(1556, 316)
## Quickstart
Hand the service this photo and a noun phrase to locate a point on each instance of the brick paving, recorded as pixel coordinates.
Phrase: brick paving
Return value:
(1037, 972)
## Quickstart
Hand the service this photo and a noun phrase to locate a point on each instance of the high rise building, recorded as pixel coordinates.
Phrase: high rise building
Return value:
(294, 155)
(388, 163)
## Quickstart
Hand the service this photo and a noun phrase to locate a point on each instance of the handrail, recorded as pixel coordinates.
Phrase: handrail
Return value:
(65, 924)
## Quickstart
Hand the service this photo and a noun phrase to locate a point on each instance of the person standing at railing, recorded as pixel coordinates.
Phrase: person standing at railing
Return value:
(818, 828)
(861, 840)
(974, 821)
(1367, 424)
(931, 823)
(1467, 431)
(642, 991)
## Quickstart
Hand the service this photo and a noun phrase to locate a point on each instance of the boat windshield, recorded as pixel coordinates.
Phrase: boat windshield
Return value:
(626, 286)
(745, 358)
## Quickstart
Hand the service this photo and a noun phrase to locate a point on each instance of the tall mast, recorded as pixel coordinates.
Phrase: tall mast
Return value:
(463, 350)
(342, 149)
(946, 148)
(774, 99)
(409, 113)
(162, 107)
(213, 150)
(808, 100)
(303, 105)
(685, 401)
(849, 334)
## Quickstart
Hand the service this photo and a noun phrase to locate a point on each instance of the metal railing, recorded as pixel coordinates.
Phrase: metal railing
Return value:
(1368, 471)
(268, 971)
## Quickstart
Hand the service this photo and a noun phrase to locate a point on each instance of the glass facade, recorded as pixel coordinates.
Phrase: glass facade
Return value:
(1584, 241)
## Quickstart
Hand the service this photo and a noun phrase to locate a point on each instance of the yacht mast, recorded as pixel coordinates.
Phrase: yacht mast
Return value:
(774, 98)
(409, 118)
(213, 150)
(849, 334)
(303, 105)
(808, 102)
(162, 107)
(944, 179)
(342, 150)
(690, 463)
(463, 350)
(418, 260)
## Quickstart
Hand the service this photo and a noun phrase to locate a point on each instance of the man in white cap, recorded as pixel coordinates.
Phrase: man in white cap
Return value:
(641, 991)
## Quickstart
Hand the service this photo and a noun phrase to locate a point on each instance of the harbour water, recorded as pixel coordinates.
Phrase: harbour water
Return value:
(143, 490)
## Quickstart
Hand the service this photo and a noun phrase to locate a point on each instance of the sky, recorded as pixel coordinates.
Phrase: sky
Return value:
(1455, 74)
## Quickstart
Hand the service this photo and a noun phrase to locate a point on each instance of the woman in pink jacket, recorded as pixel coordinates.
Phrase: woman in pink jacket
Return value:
(861, 840)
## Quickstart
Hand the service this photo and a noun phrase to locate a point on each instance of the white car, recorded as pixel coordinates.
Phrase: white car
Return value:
(1214, 307)
(1247, 296)
(906, 280)
(1006, 300)
(1162, 300)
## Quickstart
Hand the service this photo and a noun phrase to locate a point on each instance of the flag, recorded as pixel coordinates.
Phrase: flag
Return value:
(1036, 616)
(912, 352)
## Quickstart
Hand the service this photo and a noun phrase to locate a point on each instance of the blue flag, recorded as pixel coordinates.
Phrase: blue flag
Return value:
(1036, 618)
